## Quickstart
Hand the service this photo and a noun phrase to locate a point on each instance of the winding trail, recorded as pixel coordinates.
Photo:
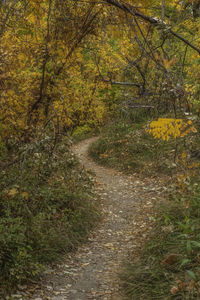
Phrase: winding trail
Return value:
(92, 272)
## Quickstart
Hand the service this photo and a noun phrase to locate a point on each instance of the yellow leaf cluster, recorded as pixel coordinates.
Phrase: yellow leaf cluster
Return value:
(26, 69)
(166, 128)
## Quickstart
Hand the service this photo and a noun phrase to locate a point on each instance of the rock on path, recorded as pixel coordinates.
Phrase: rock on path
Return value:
(92, 272)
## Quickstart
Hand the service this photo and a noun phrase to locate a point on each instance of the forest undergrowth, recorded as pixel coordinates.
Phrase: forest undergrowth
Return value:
(168, 265)
(66, 67)
(47, 208)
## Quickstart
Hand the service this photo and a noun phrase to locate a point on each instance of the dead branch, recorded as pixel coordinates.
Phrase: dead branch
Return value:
(155, 21)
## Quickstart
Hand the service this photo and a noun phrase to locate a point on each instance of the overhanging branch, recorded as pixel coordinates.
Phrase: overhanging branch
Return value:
(122, 83)
(155, 21)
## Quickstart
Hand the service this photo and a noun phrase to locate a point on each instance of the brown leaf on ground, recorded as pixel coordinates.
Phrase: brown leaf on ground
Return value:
(170, 259)
(174, 290)
(92, 272)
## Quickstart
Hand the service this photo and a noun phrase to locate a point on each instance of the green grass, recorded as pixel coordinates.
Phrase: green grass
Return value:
(84, 132)
(130, 148)
(47, 207)
(176, 234)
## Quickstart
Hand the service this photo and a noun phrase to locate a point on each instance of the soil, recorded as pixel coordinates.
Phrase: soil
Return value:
(92, 272)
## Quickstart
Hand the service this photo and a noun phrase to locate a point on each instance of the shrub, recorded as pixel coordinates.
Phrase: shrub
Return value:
(46, 207)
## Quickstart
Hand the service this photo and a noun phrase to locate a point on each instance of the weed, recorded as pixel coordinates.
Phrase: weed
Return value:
(129, 148)
(46, 206)
(169, 263)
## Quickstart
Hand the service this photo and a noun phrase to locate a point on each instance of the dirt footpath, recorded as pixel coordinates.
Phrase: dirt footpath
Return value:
(92, 271)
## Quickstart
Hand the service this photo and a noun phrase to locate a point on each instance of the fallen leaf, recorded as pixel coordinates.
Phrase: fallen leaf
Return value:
(174, 290)
(12, 192)
(85, 265)
(170, 259)
(24, 195)
(191, 285)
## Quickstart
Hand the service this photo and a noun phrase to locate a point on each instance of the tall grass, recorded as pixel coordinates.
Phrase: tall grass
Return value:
(47, 207)
(129, 148)
(168, 265)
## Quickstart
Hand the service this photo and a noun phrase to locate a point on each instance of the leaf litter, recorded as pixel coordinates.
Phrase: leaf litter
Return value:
(92, 272)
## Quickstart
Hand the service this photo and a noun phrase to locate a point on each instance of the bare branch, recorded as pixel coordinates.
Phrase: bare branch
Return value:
(7, 17)
(115, 82)
(46, 56)
(155, 21)
(122, 83)
(58, 126)
(163, 10)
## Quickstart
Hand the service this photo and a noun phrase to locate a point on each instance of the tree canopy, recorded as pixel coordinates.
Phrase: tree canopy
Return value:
(71, 62)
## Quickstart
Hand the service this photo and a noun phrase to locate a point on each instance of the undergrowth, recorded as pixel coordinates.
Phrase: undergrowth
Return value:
(84, 132)
(168, 266)
(46, 208)
(128, 147)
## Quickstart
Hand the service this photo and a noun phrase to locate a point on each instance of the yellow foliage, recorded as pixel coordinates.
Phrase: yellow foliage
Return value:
(25, 195)
(24, 49)
(12, 192)
(166, 128)
(74, 92)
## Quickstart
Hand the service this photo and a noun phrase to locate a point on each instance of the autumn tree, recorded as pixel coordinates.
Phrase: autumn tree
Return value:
(42, 52)
(68, 62)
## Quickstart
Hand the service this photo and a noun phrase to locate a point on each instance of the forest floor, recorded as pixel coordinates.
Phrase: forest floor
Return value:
(92, 272)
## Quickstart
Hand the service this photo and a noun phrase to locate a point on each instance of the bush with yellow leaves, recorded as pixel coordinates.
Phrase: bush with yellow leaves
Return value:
(166, 128)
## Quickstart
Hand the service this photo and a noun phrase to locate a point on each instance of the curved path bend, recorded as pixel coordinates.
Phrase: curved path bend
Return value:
(92, 271)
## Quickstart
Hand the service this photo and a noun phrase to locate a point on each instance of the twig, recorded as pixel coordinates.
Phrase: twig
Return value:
(155, 21)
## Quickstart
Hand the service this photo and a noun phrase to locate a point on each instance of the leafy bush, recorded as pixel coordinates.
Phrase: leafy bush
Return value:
(81, 131)
(168, 266)
(46, 207)
(129, 148)
(2, 146)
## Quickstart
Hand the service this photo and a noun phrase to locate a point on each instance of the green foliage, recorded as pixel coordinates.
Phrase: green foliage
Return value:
(71, 65)
(47, 208)
(81, 131)
(129, 148)
(175, 234)
(2, 146)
